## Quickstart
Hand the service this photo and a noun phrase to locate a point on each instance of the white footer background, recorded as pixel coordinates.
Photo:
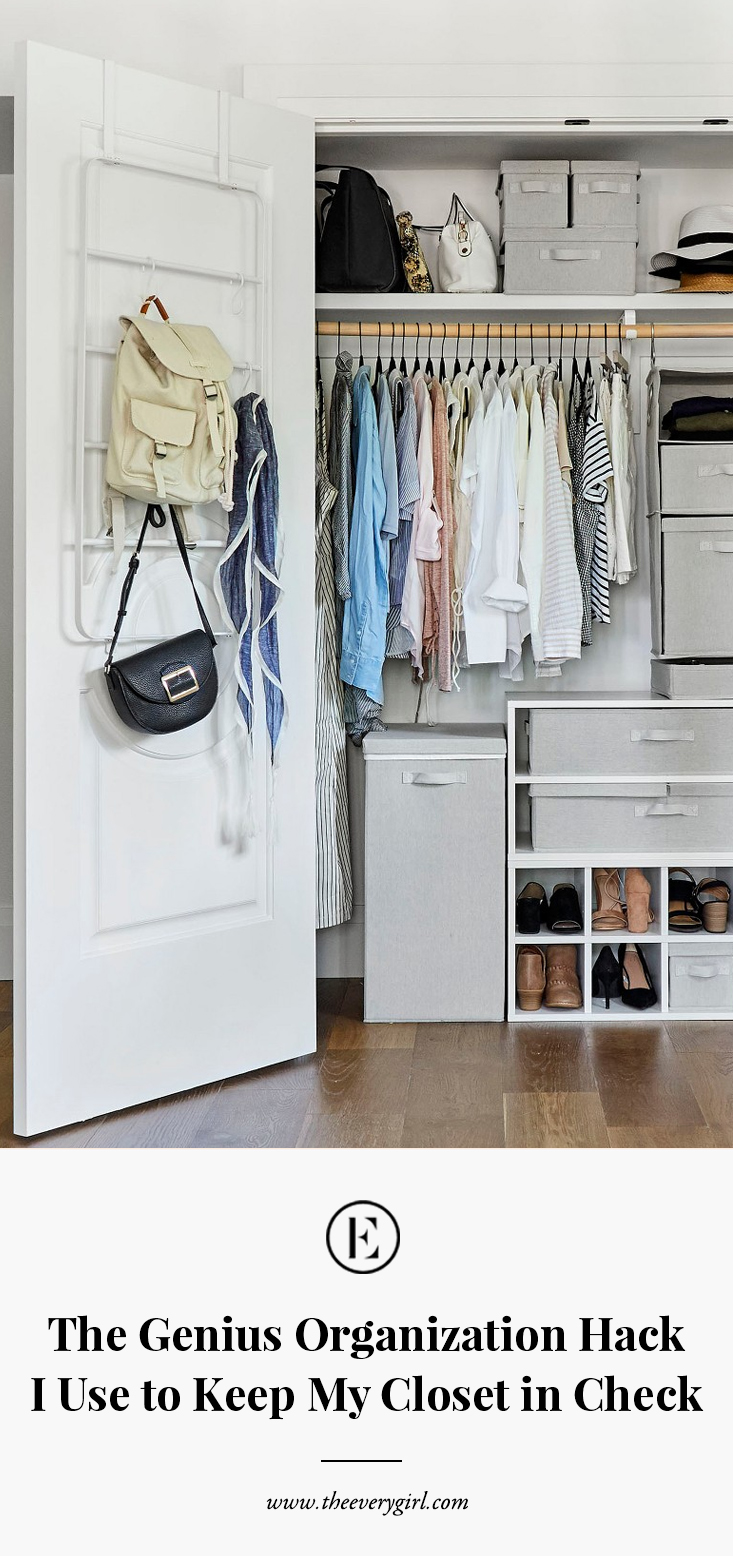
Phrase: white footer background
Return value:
(193, 1235)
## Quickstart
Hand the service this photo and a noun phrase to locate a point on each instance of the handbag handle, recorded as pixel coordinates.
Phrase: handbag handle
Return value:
(161, 310)
(154, 516)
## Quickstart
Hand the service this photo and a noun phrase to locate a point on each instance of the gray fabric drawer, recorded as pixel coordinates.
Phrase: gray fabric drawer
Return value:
(697, 587)
(589, 262)
(692, 679)
(533, 194)
(697, 477)
(435, 879)
(649, 741)
(631, 818)
(603, 194)
(701, 976)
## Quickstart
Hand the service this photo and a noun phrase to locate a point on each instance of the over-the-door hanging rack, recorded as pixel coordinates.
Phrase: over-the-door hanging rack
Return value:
(541, 329)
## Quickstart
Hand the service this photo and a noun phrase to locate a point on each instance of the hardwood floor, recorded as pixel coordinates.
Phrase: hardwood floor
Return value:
(444, 1085)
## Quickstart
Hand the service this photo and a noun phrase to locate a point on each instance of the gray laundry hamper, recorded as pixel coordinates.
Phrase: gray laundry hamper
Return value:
(435, 869)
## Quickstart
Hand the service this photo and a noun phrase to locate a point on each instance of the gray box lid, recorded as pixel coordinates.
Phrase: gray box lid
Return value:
(534, 165)
(594, 166)
(449, 740)
(573, 236)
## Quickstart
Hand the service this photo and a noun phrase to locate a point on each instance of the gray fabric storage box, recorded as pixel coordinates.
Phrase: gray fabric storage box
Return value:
(700, 975)
(591, 262)
(630, 818)
(664, 386)
(692, 678)
(697, 587)
(435, 873)
(603, 194)
(697, 477)
(649, 741)
(533, 194)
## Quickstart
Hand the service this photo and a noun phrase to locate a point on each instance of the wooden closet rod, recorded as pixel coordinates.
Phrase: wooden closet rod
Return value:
(566, 332)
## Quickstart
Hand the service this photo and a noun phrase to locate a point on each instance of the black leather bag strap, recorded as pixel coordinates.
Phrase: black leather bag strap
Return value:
(154, 516)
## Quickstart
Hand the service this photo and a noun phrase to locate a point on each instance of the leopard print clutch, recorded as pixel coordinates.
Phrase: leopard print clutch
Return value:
(414, 264)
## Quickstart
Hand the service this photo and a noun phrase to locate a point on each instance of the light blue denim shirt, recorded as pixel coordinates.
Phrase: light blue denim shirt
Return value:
(365, 613)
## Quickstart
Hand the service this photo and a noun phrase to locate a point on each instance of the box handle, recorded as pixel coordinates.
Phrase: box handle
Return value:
(716, 545)
(703, 970)
(607, 186)
(535, 186)
(563, 254)
(434, 780)
(666, 808)
(661, 734)
(706, 470)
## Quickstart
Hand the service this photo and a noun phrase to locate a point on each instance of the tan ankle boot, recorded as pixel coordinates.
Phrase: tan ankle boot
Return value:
(530, 977)
(562, 990)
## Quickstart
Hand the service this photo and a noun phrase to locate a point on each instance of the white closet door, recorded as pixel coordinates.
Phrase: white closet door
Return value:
(152, 955)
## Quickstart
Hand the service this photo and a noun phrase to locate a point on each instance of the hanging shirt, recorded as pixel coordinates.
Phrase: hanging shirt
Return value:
(585, 513)
(399, 639)
(562, 597)
(425, 525)
(532, 543)
(623, 456)
(437, 634)
(365, 612)
(597, 469)
(388, 451)
(485, 623)
(464, 395)
(340, 472)
(604, 410)
(334, 894)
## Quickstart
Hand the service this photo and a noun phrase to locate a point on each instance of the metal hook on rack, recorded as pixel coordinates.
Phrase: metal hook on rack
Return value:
(403, 364)
(531, 345)
(338, 337)
(549, 344)
(473, 332)
(487, 362)
(392, 363)
(652, 348)
(148, 286)
(442, 374)
(416, 368)
(429, 369)
(238, 298)
(516, 358)
(588, 367)
(361, 347)
(378, 369)
(501, 367)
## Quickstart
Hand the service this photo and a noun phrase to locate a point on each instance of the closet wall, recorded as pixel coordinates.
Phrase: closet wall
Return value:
(6, 538)
(618, 659)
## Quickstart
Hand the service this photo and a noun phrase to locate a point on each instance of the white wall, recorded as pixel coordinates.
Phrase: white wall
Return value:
(185, 38)
(6, 574)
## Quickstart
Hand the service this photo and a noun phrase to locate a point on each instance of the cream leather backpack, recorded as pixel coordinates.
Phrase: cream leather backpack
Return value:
(173, 432)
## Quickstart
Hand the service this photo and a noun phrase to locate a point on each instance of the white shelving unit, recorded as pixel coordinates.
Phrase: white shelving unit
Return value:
(526, 863)
(641, 307)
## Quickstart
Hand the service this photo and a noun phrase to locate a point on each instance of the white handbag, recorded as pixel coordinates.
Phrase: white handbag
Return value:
(466, 258)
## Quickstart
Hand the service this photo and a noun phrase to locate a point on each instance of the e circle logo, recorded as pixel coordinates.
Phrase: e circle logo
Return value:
(363, 1237)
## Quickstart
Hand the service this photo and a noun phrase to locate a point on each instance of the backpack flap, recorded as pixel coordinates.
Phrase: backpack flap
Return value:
(190, 350)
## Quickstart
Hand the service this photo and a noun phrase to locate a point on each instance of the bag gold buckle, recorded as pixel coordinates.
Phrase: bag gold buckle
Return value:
(174, 691)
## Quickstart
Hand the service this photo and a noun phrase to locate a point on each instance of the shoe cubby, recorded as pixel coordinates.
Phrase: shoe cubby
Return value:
(653, 931)
(721, 872)
(567, 947)
(549, 878)
(618, 1007)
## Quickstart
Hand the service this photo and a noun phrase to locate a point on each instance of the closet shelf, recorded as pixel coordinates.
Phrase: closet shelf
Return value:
(647, 306)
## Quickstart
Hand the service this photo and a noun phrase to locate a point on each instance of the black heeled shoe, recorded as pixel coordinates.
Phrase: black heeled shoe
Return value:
(606, 977)
(563, 915)
(531, 909)
(637, 987)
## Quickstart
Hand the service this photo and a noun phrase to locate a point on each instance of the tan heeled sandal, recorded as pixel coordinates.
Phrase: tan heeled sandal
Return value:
(713, 898)
(609, 913)
(638, 895)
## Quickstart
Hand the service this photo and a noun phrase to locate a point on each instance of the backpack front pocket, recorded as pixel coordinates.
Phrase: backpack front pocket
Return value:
(158, 438)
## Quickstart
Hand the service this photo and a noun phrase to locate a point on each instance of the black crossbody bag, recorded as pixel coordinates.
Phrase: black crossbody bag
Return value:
(174, 683)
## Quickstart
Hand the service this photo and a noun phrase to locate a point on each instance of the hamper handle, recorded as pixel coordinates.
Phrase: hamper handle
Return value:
(433, 780)
(716, 545)
(705, 470)
(638, 735)
(666, 808)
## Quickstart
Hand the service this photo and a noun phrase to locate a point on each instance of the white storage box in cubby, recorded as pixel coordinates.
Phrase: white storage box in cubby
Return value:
(625, 741)
(697, 584)
(701, 975)
(692, 678)
(634, 817)
(533, 193)
(593, 261)
(603, 194)
(697, 478)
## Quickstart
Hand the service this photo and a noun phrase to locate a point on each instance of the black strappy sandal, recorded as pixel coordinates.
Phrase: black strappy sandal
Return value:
(685, 917)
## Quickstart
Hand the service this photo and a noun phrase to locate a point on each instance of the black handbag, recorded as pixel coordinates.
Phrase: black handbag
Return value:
(174, 683)
(358, 248)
